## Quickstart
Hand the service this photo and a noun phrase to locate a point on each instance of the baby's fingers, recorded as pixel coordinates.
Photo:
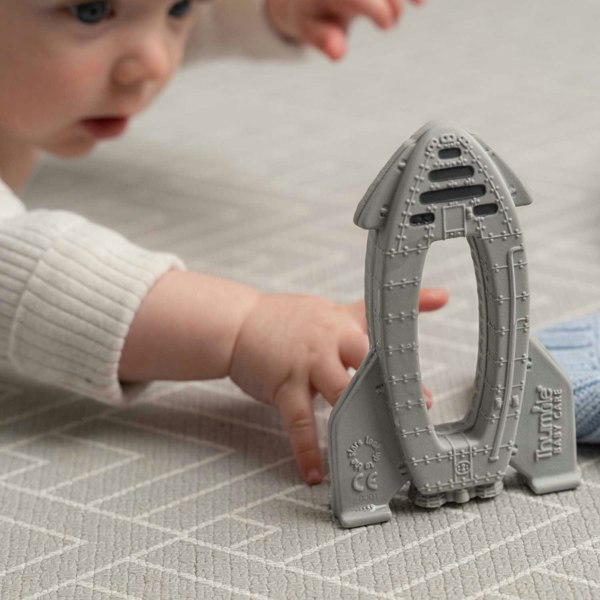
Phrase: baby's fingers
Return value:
(329, 38)
(428, 397)
(295, 406)
(432, 298)
(396, 6)
(353, 348)
(381, 12)
(358, 311)
(329, 376)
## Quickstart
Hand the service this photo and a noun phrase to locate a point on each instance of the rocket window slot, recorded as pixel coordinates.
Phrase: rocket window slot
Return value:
(483, 210)
(451, 194)
(451, 173)
(422, 219)
(449, 153)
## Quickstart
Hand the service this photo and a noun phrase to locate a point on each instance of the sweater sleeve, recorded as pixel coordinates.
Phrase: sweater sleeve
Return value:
(238, 28)
(69, 290)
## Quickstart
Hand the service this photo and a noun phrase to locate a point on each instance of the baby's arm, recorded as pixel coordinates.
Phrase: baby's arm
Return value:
(324, 23)
(280, 349)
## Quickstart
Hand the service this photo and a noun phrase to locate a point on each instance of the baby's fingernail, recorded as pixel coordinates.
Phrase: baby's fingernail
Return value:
(313, 477)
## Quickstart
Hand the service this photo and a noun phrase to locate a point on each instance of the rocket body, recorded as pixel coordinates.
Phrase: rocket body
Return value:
(442, 184)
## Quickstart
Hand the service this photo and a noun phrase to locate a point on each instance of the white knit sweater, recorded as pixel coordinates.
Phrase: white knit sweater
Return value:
(69, 289)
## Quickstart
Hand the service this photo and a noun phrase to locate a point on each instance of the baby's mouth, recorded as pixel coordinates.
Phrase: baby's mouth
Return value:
(106, 127)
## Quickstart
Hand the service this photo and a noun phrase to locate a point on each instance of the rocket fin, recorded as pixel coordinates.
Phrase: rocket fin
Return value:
(519, 193)
(364, 458)
(546, 446)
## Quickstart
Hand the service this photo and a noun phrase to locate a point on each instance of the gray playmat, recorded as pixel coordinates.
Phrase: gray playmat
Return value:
(252, 169)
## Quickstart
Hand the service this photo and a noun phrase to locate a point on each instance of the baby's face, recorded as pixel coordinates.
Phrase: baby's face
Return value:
(73, 73)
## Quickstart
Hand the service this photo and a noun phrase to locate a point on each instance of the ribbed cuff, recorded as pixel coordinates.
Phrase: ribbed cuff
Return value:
(72, 289)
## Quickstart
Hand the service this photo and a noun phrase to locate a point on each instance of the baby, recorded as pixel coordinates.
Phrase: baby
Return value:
(84, 309)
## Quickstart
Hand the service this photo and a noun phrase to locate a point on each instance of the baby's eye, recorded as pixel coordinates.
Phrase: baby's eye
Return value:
(180, 9)
(91, 13)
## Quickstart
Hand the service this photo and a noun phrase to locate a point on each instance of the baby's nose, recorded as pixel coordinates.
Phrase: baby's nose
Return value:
(149, 62)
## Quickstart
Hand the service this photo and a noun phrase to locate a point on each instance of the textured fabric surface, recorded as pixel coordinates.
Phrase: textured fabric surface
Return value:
(253, 171)
(576, 346)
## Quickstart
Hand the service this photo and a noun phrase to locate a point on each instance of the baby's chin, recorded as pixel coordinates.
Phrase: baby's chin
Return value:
(73, 147)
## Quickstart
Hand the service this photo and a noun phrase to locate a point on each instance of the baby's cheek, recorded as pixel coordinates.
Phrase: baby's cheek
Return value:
(56, 92)
(81, 81)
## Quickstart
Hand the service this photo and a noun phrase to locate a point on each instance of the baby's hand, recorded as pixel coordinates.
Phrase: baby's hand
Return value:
(324, 23)
(292, 347)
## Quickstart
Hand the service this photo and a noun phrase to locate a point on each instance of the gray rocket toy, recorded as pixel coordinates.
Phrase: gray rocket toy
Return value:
(445, 183)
